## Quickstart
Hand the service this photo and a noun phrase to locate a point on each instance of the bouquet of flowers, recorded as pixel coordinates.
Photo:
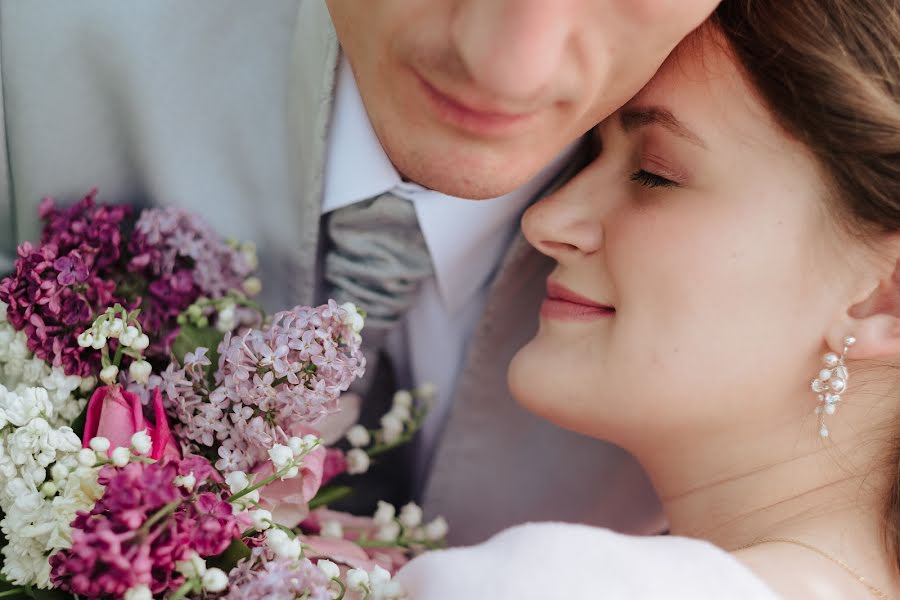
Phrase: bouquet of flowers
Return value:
(162, 437)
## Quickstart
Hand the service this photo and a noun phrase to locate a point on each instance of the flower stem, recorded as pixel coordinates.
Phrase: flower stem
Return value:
(13, 592)
(297, 462)
(343, 589)
(158, 516)
(186, 588)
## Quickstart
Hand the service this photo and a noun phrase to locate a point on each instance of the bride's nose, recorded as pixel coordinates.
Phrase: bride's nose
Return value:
(565, 225)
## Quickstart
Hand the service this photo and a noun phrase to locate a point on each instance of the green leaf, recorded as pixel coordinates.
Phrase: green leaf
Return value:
(190, 337)
(228, 559)
(330, 494)
(79, 423)
(46, 594)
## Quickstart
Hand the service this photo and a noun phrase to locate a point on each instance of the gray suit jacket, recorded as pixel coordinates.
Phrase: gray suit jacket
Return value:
(222, 107)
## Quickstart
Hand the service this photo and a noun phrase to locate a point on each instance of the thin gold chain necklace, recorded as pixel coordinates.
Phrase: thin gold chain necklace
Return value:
(872, 589)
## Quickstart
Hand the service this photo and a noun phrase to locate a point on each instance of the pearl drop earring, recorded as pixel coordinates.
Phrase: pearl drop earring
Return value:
(831, 383)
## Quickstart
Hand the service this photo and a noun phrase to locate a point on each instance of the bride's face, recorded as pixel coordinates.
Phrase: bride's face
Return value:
(702, 227)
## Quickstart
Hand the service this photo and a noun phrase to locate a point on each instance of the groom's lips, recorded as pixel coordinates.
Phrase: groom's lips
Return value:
(563, 304)
(481, 121)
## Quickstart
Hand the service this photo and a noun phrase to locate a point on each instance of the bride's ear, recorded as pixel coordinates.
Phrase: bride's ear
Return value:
(874, 319)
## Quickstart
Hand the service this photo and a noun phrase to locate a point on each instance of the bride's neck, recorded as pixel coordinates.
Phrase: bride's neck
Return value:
(782, 482)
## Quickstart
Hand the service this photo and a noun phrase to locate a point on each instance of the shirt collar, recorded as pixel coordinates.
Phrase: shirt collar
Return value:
(466, 238)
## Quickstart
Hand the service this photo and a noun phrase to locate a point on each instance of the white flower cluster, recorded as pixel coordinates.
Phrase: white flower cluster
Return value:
(20, 369)
(355, 317)
(407, 527)
(131, 341)
(402, 418)
(286, 461)
(42, 482)
(370, 585)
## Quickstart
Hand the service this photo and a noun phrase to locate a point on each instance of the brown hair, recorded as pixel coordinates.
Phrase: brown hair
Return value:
(829, 71)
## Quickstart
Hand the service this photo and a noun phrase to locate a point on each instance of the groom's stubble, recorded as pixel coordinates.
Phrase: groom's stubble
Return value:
(473, 97)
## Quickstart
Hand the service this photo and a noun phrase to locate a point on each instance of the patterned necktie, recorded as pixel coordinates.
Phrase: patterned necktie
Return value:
(376, 258)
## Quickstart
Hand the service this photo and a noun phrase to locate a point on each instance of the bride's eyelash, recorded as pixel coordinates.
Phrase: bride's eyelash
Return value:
(651, 180)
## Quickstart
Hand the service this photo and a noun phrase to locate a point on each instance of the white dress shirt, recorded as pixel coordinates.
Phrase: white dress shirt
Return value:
(466, 240)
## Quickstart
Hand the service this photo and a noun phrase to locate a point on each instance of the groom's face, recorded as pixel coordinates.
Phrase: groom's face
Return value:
(474, 97)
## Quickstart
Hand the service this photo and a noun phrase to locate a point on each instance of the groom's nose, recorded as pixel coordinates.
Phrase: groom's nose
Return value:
(517, 49)
(565, 225)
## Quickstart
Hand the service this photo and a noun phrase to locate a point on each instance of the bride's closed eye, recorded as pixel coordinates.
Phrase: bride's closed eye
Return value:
(651, 180)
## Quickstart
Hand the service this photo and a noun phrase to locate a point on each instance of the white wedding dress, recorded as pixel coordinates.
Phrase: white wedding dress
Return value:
(558, 561)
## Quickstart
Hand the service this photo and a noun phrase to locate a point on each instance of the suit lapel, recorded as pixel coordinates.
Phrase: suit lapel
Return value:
(314, 60)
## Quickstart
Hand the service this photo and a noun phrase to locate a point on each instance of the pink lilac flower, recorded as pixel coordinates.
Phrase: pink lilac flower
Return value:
(274, 380)
(262, 577)
(183, 258)
(112, 550)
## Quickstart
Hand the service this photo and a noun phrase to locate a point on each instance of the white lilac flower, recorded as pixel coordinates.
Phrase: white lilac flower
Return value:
(358, 436)
(214, 580)
(378, 577)
(109, 374)
(186, 481)
(332, 529)
(391, 428)
(358, 461)
(140, 371)
(330, 569)
(410, 515)
(120, 456)
(403, 398)
(281, 456)
(389, 532)
(141, 442)
(385, 513)
(252, 286)
(354, 319)
(100, 444)
(141, 342)
(237, 481)
(87, 457)
(127, 337)
(138, 592)
(358, 580)
(226, 319)
(392, 590)
(262, 519)
(401, 412)
(37, 514)
(437, 529)
(283, 545)
(194, 566)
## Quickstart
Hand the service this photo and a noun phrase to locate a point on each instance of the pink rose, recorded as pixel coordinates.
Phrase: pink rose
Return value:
(288, 499)
(117, 414)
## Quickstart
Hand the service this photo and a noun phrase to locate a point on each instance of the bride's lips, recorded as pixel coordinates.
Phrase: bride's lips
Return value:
(563, 304)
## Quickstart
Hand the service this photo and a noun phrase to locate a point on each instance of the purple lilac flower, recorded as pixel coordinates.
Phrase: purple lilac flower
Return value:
(111, 549)
(93, 229)
(262, 578)
(184, 259)
(54, 296)
(58, 287)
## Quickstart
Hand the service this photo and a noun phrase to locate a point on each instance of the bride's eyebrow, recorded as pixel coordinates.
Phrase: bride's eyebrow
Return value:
(633, 118)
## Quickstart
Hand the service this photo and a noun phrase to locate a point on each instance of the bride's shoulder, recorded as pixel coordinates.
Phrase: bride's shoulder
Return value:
(557, 560)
